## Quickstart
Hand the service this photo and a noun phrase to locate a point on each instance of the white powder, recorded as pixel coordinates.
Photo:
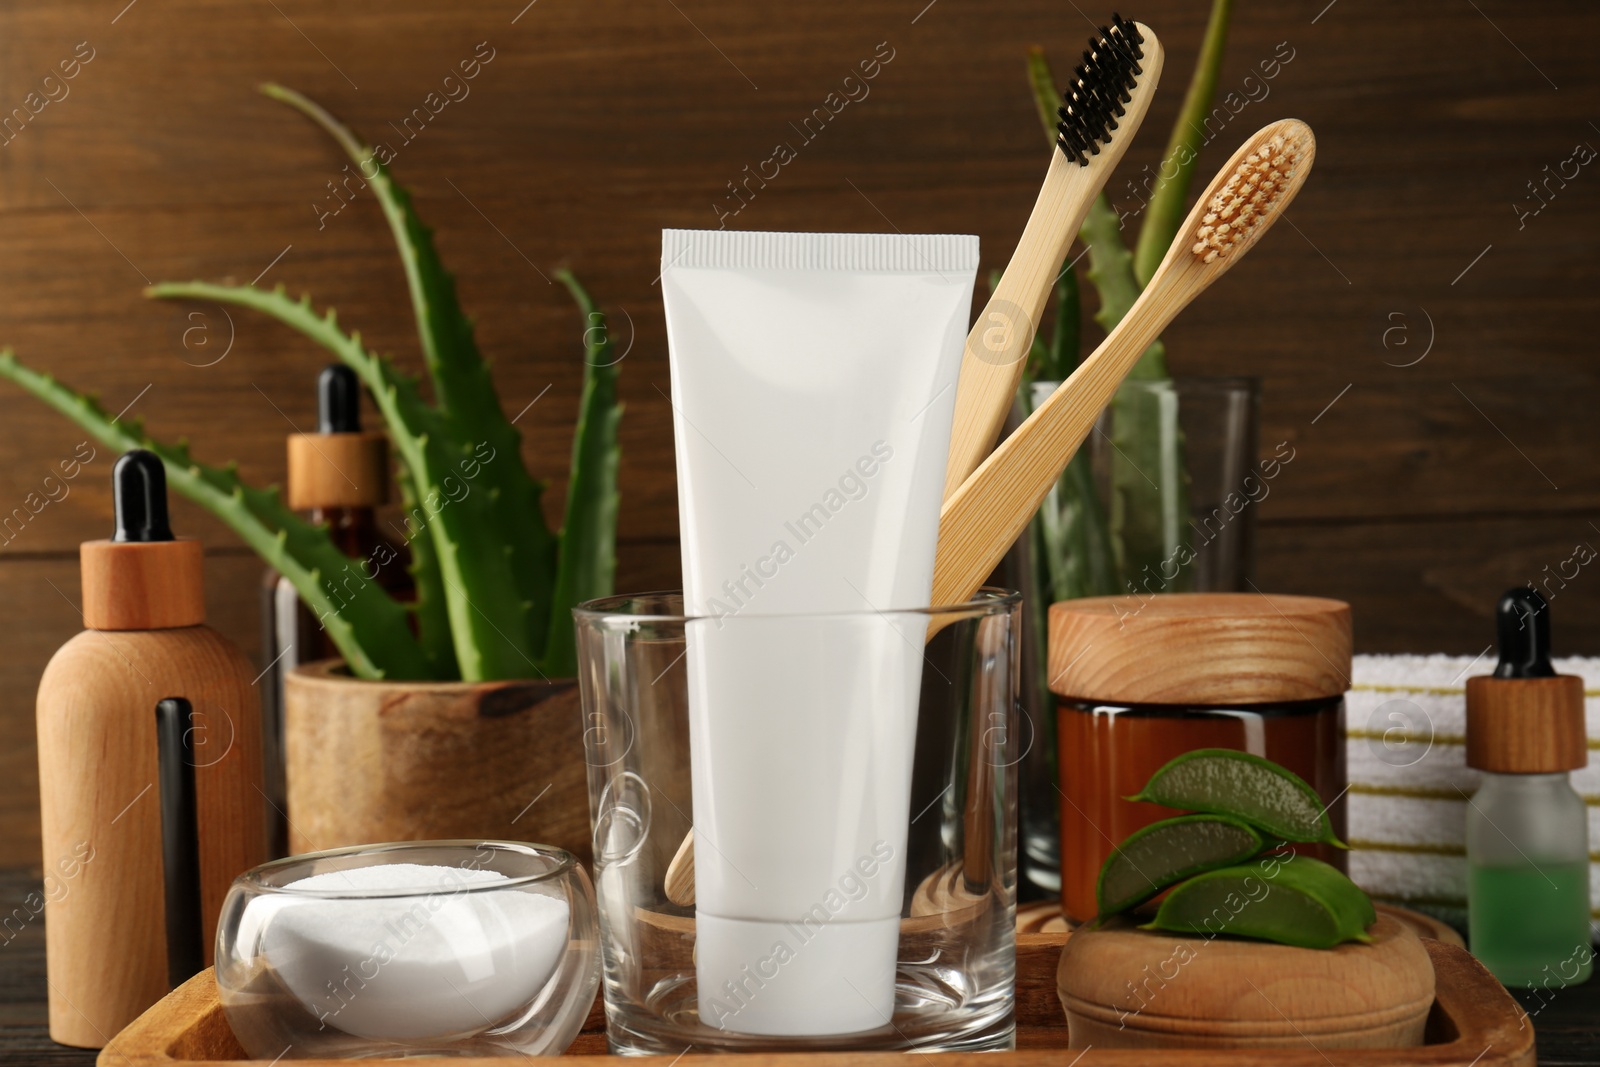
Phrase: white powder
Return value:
(431, 964)
(393, 876)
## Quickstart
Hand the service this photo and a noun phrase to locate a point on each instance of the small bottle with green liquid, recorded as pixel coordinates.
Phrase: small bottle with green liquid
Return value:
(1527, 829)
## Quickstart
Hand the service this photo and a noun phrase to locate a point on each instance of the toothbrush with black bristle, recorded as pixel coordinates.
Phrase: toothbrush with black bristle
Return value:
(1102, 107)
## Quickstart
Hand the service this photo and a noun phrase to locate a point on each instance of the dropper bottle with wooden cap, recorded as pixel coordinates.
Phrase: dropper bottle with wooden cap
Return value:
(101, 807)
(339, 476)
(1527, 828)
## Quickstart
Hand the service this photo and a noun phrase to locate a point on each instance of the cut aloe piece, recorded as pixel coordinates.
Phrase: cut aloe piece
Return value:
(1294, 901)
(1169, 851)
(1223, 781)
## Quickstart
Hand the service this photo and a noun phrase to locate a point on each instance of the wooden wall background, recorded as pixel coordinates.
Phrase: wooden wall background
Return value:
(1418, 492)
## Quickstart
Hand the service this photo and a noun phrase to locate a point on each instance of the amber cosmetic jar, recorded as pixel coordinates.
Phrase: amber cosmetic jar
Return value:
(1137, 681)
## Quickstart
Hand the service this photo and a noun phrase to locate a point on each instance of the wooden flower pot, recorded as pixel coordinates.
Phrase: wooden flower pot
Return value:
(369, 762)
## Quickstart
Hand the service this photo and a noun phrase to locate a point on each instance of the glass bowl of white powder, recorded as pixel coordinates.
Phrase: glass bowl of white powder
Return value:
(473, 948)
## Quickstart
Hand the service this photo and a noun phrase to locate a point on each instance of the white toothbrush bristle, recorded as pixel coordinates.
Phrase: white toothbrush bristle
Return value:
(1250, 193)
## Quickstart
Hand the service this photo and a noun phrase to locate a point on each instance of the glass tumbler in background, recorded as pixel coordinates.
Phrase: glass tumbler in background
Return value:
(1215, 425)
(1220, 419)
(947, 865)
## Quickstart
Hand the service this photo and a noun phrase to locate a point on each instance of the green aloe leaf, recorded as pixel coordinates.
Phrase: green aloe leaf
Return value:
(1074, 537)
(1296, 901)
(431, 607)
(1164, 853)
(1224, 781)
(1067, 333)
(1169, 200)
(1149, 505)
(368, 626)
(587, 560)
(486, 611)
(462, 383)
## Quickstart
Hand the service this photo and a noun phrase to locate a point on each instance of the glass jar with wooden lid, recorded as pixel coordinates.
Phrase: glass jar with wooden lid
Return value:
(1138, 681)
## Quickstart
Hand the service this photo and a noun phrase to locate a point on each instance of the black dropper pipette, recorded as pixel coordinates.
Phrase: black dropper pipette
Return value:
(139, 498)
(338, 400)
(1522, 628)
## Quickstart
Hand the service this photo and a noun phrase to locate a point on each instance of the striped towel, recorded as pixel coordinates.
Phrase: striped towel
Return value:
(1409, 782)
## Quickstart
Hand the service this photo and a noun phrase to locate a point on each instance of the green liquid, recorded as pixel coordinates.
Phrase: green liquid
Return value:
(1530, 925)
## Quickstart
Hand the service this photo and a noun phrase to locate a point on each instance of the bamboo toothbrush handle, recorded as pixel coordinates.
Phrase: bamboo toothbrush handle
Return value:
(993, 506)
(997, 348)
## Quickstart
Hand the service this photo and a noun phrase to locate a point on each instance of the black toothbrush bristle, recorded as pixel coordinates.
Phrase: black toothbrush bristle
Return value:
(1100, 86)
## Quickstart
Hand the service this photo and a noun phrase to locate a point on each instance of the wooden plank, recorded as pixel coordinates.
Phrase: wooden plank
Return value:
(578, 151)
(1432, 586)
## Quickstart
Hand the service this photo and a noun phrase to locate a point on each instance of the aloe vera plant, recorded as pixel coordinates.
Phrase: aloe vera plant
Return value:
(495, 586)
(1085, 546)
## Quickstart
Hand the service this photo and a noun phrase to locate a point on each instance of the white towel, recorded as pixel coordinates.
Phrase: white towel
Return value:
(1405, 728)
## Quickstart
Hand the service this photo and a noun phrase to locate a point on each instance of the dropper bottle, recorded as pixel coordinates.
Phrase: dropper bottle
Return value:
(101, 787)
(338, 477)
(1527, 828)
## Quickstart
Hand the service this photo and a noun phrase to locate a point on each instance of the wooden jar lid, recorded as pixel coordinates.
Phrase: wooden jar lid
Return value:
(143, 585)
(1526, 725)
(338, 470)
(1128, 988)
(1200, 648)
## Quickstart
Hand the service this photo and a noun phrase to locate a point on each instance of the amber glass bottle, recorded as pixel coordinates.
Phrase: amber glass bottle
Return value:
(339, 476)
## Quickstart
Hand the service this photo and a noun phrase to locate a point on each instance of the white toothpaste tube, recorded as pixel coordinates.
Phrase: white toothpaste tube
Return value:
(813, 384)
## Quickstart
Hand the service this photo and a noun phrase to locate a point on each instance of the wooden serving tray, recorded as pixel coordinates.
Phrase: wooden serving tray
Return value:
(1474, 1023)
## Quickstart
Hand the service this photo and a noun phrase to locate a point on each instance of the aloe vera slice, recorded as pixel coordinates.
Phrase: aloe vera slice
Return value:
(1294, 901)
(1169, 851)
(1223, 781)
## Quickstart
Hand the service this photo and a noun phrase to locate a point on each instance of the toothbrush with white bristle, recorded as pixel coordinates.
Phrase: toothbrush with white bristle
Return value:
(986, 514)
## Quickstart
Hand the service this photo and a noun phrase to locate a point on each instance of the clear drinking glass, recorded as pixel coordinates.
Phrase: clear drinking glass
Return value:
(453, 962)
(1220, 419)
(1213, 424)
(906, 800)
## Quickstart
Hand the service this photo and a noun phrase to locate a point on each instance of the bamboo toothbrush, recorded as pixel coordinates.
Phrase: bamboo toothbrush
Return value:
(1102, 108)
(992, 507)
(987, 513)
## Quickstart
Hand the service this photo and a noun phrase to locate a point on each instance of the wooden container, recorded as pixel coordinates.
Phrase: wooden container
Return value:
(1473, 1023)
(1123, 987)
(370, 762)
(1139, 681)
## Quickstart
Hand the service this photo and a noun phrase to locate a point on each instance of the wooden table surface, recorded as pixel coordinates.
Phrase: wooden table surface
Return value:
(1567, 1024)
